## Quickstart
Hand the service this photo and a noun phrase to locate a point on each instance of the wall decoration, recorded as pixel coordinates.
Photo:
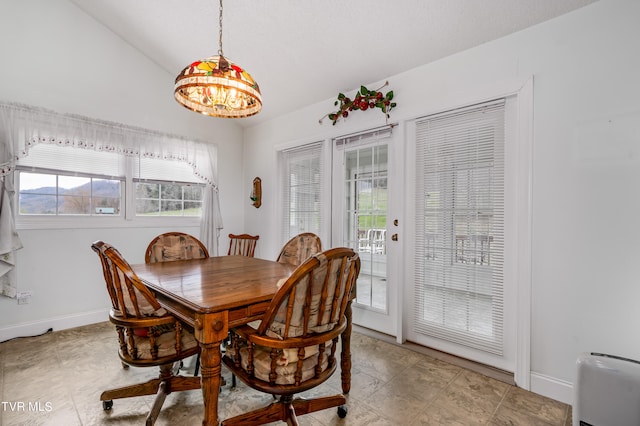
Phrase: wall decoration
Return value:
(365, 99)
(256, 192)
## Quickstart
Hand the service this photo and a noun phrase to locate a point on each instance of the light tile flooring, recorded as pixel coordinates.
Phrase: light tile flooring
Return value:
(56, 379)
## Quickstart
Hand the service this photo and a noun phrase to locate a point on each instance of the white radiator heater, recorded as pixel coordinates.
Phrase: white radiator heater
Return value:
(606, 391)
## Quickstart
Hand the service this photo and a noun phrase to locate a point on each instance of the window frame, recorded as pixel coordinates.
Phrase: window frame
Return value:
(160, 199)
(58, 174)
(288, 152)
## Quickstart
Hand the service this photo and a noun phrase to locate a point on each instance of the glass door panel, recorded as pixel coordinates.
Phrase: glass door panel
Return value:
(361, 198)
(366, 220)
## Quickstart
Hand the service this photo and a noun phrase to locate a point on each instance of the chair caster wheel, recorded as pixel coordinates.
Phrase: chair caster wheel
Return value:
(107, 405)
(342, 411)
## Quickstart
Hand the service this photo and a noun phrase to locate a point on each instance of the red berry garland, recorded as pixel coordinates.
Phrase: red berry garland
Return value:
(363, 100)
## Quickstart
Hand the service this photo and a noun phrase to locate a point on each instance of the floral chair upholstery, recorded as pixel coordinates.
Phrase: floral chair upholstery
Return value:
(175, 246)
(300, 248)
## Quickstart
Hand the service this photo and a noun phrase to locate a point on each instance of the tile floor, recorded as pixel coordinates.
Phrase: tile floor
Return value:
(56, 379)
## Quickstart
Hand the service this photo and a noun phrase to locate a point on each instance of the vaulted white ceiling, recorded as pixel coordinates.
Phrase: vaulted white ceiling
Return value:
(305, 51)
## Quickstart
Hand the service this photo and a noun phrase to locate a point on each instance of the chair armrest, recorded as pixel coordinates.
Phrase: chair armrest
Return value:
(141, 322)
(252, 336)
(244, 331)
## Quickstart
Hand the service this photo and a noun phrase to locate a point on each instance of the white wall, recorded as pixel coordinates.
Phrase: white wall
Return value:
(55, 56)
(586, 172)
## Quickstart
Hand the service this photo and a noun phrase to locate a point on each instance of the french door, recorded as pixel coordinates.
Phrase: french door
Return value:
(366, 195)
(460, 295)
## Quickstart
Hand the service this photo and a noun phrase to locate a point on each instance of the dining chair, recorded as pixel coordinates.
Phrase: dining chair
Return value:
(242, 244)
(300, 248)
(148, 335)
(293, 349)
(175, 246)
(172, 246)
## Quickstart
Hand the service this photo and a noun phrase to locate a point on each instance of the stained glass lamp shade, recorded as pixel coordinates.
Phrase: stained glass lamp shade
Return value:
(216, 86)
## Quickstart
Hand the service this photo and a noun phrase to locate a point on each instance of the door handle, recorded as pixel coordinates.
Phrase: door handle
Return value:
(394, 237)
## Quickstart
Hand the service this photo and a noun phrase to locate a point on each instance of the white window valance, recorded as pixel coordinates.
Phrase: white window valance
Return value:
(22, 127)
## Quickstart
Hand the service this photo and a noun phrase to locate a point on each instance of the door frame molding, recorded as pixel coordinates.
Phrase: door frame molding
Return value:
(524, 129)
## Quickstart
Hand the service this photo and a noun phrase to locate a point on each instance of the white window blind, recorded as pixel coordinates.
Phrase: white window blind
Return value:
(74, 161)
(301, 176)
(107, 164)
(460, 226)
(381, 136)
(43, 157)
(156, 169)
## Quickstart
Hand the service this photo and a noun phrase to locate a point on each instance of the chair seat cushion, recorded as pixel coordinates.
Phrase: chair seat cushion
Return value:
(165, 343)
(287, 363)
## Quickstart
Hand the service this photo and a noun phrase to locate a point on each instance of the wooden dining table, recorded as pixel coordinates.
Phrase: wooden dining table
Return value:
(215, 294)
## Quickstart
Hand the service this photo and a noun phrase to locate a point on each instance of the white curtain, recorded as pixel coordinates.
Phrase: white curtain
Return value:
(24, 126)
(211, 222)
(9, 240)
(29, 126)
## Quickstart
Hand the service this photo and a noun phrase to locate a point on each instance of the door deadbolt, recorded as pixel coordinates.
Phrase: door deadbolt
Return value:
(394, 237)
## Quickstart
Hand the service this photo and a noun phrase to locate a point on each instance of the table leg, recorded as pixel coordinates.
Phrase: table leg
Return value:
(345, 355)
(210, 359)
(210, 330)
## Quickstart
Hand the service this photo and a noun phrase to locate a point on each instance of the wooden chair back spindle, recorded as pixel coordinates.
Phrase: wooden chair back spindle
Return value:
(147, 334)
(294, 347)
(242, 245)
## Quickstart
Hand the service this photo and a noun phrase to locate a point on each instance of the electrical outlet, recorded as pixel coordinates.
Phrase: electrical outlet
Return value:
(24, 297)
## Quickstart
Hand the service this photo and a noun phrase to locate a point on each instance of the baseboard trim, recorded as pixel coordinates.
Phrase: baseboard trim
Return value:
(551, 387)
(56, 323)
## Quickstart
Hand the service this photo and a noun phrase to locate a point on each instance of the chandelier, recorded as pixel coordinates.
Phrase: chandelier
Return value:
(218, 87)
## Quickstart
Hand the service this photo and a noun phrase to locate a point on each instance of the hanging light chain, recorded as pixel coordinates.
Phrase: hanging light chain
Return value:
(220, 34)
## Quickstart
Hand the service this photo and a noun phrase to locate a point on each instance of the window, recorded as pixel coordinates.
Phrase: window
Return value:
(168, 199)
(166, 188)
(58, 194)
(460, 226)
(302, 177)
(64, 181)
